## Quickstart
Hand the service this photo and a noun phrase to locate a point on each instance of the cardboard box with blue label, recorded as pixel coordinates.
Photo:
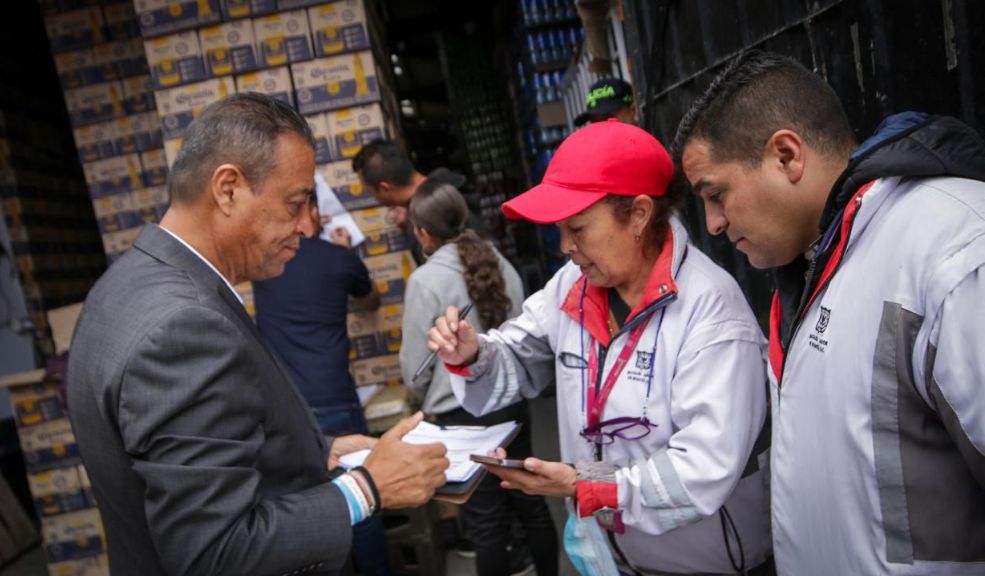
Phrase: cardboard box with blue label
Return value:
(154, 167)
(122, 59)
(228, 48)
(339, 27)
(159, 17)
(274, 82)
(57, 491)
(94, 104)
(114, 212)
(150, 204)
(74, 535)
(378, 370)
(373, 220)
(393, 240)
(138, 94)
(383, 319)
(48, 445)
(74, 30)
(177, 107)
(113, 175)
(77, 68)
(282, 38)
(90, 566)
(119, 242)
(346, 185)
(137, 133)
(233, 9)
(175, 59)
(319, 130)
(365, 346)
(337, 82)
(353, 128)
(120, 20)
(37, 403)
(95, 142)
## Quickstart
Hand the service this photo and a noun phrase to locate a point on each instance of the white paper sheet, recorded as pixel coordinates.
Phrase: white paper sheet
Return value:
(328, 203)
(461, 441)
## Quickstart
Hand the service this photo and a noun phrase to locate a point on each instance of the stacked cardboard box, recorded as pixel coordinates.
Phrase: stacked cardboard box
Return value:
(108, 89)
(71, 528)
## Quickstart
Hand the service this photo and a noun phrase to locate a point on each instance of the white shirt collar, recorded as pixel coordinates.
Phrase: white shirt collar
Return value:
(207, 263)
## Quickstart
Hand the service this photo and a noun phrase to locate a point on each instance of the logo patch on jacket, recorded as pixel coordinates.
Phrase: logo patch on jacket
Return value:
(643, 359)
(822, 322)
(817, 341)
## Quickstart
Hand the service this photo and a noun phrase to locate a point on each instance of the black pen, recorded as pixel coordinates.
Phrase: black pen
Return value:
(427, 361)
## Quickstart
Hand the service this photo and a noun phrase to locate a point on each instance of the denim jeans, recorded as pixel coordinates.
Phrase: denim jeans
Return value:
(368, 540)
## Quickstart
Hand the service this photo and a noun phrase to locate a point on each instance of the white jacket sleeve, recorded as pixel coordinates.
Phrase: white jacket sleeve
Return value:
(515, 362)
(955, 369)
(421, 307)
(718, 407)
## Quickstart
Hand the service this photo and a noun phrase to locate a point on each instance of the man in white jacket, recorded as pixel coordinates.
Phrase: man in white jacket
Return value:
(876, 332)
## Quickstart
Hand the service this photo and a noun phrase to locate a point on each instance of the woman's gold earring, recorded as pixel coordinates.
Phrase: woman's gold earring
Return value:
(637, 238)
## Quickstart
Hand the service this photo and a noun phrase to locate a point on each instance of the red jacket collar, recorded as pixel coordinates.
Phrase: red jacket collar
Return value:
(596, 303)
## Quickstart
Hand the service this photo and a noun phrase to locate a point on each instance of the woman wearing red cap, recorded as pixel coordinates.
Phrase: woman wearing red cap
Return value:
(659, 367)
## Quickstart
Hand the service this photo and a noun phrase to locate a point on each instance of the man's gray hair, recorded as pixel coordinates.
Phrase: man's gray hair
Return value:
(240, 129)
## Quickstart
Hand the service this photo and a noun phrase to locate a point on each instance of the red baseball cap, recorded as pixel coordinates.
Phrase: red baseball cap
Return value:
(603, 158)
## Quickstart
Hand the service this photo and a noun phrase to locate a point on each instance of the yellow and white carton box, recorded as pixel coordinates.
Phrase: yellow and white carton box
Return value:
(373, 220)
(320, 131)
(121, 59)
(274, 82)
(175, 59)
(77, 68)
(114, 212)
(95, 103)
(282, 38)
(112, 175)
(120, 20)
(353, 128)
(95, 141)
(338, 82)
(75, 29)
(389, 273)
(346, 185)
(339, 27)
(378, 370)
(177, 107)
(150, 204)
(228, 48)
(89, 566)
(137, 132)
(57, 491)
(115, 243)
(159, 17)
(73, 536)
(233, 9)
(385, 318)
(138, 94)
(154, 167)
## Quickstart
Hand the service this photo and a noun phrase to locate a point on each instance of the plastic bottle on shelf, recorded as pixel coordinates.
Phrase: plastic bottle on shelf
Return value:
(532, 47)
(535, 12)
(538, 88)
(543, 54)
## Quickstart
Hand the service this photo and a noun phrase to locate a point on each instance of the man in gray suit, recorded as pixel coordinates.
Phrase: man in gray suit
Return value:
(203, 457)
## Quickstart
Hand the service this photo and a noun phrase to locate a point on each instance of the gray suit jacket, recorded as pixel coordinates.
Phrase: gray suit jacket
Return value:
(203, 457)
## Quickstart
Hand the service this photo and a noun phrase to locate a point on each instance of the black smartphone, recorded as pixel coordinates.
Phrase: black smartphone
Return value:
(493, 461)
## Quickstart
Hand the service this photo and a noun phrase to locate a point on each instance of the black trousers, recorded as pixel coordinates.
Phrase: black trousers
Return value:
(490, 512)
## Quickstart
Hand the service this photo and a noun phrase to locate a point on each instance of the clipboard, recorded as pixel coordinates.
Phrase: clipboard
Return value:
(460, 492)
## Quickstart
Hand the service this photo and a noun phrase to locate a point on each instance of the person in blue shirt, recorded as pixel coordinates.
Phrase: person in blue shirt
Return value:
(302, 316)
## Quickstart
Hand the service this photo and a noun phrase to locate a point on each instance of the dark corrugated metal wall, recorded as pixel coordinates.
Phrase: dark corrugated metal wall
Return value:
(881, 57)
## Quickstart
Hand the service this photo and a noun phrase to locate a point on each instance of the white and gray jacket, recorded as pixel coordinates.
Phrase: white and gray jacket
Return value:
(878, 454)
(708, 399)
(433, 287)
